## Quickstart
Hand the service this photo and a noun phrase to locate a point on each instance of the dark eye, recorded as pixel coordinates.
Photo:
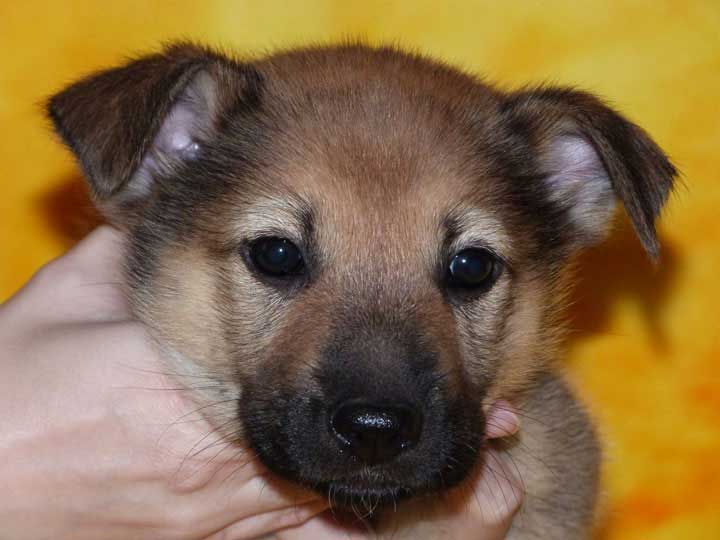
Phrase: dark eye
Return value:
(276, 257)
(473, 268)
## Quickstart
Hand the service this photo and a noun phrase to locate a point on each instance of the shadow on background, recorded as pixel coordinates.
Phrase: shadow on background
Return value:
(69, 210)
(619, 269)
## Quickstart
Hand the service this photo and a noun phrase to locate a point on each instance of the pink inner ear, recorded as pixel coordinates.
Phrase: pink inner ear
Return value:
(176, 139)
(181, 134)
(578, 180)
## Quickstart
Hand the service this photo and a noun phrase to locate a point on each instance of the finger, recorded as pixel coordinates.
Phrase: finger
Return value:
(501, 420)
(102, 249)
(229, 500)
(97, 262)
(265, 492)
(498, 490)
(81, 286)
(269, 522)
(325, 526)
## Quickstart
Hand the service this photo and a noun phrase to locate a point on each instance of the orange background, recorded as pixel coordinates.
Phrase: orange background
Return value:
(646, 348)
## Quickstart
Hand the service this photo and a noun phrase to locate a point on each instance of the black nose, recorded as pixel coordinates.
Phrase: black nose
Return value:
(376, 433)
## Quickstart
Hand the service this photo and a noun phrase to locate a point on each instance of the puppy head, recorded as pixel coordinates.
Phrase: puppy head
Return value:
(357, 247)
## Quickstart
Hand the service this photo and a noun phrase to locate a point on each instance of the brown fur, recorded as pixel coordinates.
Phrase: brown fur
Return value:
(381, 165)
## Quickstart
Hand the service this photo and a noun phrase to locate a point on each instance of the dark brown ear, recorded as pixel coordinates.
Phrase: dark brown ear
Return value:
(128, 124)
(592, 155)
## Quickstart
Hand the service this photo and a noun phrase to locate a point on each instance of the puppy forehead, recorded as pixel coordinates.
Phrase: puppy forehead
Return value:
(415, 213)
(380, 148)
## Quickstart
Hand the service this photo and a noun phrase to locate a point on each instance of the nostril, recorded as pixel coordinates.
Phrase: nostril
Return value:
(374, 433)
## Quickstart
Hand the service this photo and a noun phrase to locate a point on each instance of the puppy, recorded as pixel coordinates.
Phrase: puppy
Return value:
(358, 250)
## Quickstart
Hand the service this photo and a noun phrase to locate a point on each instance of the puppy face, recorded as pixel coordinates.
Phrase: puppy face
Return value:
(356, 248)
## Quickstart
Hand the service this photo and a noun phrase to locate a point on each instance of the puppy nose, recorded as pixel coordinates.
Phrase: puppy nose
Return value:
(376, 433)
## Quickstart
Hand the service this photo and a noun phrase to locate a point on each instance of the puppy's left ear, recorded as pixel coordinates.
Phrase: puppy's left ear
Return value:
(590, 156)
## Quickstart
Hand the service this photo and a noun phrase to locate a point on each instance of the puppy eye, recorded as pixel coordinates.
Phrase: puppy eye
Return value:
(276, 257)
(473, 268)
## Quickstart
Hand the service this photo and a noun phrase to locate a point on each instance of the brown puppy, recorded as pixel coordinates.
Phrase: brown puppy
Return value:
(357, 250)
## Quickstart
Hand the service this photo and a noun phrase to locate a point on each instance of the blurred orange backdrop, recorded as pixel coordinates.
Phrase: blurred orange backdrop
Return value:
(645, 351)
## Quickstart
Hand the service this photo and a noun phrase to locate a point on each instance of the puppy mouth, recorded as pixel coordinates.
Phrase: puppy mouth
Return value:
(364, 489)
(369, 489)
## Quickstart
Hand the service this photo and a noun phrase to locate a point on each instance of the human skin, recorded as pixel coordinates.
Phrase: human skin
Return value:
(98, 441)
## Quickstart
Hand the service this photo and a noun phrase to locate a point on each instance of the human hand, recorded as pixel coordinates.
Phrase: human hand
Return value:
(482, 508)
(97, 441)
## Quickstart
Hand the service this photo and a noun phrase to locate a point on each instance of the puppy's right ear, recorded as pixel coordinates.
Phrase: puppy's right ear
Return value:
(130, 124)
